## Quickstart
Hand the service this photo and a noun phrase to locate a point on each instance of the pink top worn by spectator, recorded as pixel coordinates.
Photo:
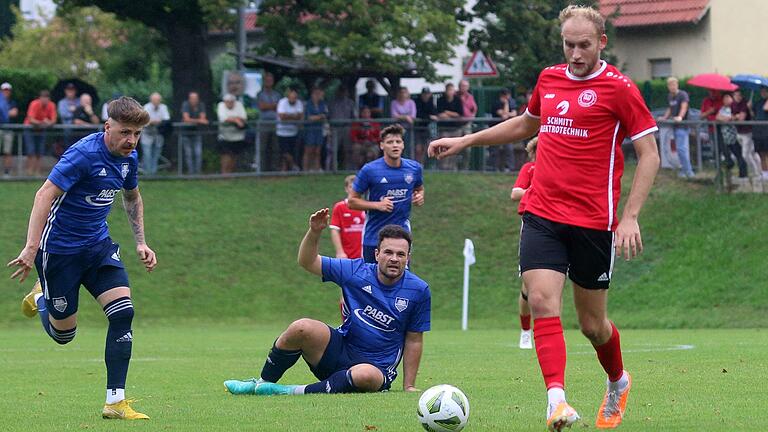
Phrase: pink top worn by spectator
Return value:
(407, 108)
(469, 105)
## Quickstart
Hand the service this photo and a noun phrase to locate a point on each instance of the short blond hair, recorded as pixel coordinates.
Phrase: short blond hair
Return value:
(672, 80)
(531, 146)
(128, 111)
(588, 13)
(348, 180)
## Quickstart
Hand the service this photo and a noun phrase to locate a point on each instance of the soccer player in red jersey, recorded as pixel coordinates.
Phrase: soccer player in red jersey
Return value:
(582, 111)
(347, 228)
(521, 186)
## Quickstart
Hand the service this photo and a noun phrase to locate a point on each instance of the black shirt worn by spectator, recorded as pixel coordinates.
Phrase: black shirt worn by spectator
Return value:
(425, 109)
(499, 105)
(455, 106)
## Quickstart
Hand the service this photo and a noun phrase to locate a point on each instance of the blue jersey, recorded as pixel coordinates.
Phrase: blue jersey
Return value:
(90, 177)
(379, 315)
(380, 180)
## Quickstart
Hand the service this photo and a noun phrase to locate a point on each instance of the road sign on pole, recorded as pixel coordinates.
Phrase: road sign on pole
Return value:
(480, 65)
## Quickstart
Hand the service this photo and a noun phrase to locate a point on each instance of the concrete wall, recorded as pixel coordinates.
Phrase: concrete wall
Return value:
(738, 36)
(688, 46)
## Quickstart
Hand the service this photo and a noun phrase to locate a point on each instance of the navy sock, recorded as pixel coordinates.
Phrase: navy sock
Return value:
(278, 361)
(339, 382)
(117, 352)
(61, 337)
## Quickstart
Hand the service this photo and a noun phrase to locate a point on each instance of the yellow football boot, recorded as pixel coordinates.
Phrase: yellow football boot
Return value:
(28, 305)
(122, 411)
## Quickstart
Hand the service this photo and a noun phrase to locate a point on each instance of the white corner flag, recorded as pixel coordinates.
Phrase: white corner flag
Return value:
(469, 259)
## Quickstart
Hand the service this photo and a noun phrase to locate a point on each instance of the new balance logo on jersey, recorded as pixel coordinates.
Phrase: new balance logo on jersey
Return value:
(383, 180)
(103, 172)
(128, 337)
(368, 289)
(549, 96)
(604, 278)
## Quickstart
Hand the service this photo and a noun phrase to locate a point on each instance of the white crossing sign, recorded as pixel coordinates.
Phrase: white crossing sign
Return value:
(480, 65)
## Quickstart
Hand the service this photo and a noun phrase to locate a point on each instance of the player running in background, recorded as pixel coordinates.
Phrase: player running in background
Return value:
(390, 310)
(68, 242)
(393, 183)
(522, 184)
(347, 227)
(582, 110)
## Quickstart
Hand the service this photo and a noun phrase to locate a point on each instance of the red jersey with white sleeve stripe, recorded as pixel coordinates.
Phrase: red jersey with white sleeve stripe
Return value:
(579, 162)
(524, 180)
(350, 224)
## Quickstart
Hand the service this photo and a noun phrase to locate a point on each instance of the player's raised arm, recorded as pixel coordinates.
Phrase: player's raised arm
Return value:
(44, 197)
(134, 208)
(514, 129)
(628, 239)
(309, 257)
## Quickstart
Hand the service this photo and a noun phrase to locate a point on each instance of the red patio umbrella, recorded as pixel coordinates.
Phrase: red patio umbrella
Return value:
(713, 81)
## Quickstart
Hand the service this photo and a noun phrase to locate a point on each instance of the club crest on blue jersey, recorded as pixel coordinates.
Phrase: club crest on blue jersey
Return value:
(401, 304)
(409, 178)
(124, 170)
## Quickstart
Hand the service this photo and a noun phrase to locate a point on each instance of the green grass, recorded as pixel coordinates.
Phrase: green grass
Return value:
(177, 374)
(227, 250)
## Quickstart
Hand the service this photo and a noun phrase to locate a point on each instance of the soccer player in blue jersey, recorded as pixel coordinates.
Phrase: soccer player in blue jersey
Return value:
(393, 183)
(389, 311)
(68, 242)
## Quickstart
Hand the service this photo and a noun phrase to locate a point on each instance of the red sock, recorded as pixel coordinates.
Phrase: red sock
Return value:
(550, 350)
(609, 355)
(525, 322)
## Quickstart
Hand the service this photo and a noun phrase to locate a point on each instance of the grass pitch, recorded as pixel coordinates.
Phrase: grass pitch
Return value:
(684, 380)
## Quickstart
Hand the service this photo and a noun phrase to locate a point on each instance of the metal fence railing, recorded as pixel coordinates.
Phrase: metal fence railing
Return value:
(285, 148)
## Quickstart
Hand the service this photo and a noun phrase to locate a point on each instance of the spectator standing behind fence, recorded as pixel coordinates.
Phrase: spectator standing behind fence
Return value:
(449, 107)
(426, 115)
(371, 100)
(152, 139)
(342, 108)
(740, 110)
(730, 135)
(403, 108)
(12, 113)
(760, 132)
(365, 138)
(266, 101)
(231, 139)
(66, 110)
(504, 108)
(41, 115)
(289, 110)
(105, 106)
(85, 116)
(193, 113)
(469, 111)
(677, 111)
(316, 114)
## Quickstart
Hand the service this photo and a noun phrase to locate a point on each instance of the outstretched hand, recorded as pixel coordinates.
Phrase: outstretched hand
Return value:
(25, 261)
(445, 147)
(319, 220)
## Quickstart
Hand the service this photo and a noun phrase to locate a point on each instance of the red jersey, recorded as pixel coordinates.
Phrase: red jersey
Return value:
(524, 180)
(350, 224)
(578, 158)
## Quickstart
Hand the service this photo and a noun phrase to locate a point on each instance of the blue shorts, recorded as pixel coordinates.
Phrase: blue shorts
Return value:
(338, 357)
(97, 267)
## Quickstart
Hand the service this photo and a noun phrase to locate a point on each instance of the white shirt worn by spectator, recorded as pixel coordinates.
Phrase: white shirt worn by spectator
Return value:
(285, 107)
(157, 113)
(230, 131)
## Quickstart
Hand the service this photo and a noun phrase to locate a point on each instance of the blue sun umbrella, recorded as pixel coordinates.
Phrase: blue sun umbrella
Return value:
(750, 81)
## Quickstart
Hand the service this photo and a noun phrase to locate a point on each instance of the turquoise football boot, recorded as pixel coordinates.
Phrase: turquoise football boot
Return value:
(246, 387)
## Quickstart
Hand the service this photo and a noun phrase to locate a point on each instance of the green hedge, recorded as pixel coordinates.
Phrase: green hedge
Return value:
(655, 92)
(27, 84)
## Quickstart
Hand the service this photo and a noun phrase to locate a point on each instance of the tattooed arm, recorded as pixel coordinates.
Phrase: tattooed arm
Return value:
(134, 208)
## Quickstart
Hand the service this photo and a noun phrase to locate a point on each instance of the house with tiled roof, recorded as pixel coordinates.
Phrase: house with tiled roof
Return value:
(661, 38)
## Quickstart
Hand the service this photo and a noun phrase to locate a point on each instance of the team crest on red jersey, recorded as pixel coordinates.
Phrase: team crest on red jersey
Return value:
(587, 98)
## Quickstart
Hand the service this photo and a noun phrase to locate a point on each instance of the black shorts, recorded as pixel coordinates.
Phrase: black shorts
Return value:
(287, 144)
(338, 357)
(585, 255)
(234, 148)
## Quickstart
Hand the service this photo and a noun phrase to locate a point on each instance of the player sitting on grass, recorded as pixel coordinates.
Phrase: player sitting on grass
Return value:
(389, 309)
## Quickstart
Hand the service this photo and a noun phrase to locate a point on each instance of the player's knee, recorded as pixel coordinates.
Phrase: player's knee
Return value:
(367, 379)
(120, 310)
(543, 304)
(300, 328)
(595, 331)
(63, 337)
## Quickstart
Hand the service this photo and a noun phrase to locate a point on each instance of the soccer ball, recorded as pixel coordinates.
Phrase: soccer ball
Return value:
(443, 408)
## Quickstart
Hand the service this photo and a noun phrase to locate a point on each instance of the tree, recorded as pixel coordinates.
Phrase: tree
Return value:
(348, 36)
(184, 26)
(521, 36)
